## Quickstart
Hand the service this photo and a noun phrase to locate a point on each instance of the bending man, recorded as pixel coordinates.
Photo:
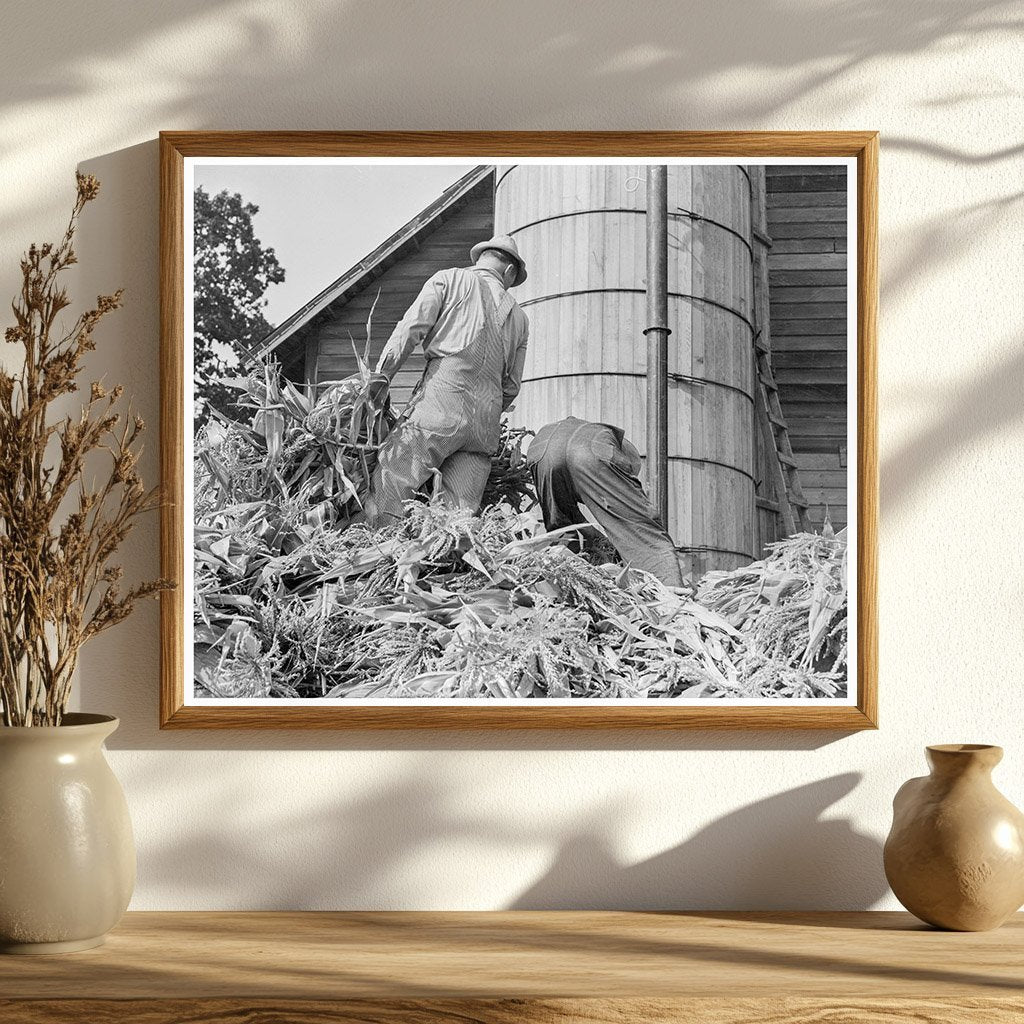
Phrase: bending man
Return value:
(474, 336)
(574, 462)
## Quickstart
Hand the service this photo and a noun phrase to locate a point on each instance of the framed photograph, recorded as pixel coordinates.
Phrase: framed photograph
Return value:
(519, 430)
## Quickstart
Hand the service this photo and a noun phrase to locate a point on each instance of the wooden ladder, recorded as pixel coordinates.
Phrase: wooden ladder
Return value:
(792, 503)
(784, 470)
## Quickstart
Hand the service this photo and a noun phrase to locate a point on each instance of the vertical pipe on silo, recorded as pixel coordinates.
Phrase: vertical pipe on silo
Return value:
(657, 332)
(582, 230)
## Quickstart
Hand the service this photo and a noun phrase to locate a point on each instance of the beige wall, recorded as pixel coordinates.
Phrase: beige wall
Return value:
(480, 821)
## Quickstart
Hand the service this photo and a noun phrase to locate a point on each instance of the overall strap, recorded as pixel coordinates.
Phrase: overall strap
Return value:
(495, 314)
(497, 311)
(503, 308)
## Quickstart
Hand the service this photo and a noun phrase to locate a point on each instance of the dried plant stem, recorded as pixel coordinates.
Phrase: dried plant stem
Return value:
(57, 586)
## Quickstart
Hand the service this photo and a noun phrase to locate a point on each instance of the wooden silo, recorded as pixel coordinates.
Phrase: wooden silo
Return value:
(581, 229)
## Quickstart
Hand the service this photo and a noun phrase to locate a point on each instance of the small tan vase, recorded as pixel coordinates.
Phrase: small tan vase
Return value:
(955, 854)
(67, 856)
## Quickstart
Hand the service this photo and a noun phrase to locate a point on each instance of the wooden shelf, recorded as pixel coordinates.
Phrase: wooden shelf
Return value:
(425, 968)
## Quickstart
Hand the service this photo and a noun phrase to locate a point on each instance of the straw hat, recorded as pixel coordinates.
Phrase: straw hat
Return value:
(507, 245)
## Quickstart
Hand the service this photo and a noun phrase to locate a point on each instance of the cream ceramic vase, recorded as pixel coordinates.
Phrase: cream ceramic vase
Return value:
(67, 856)
(955, 855)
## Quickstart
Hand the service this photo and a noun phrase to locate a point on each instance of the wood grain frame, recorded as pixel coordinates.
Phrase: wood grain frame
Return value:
(176, 146)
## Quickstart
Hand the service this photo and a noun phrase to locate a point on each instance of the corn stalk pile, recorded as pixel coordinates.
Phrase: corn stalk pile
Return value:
(295, 599)
(308, 459)
(791, 609)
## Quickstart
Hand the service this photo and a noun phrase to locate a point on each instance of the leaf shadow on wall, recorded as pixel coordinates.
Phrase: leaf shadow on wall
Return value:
(313, 65)
(986, 406)
(778, 853)
(938, 243)
(302, 58)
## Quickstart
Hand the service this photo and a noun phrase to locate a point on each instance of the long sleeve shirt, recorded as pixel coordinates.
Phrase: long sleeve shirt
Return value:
(448, 315)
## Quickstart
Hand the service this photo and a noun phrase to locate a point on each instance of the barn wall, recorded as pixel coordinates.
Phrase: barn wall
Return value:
(329, 339)
(807, 280)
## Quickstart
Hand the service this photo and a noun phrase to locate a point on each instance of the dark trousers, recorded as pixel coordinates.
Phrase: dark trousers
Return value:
(574, 462)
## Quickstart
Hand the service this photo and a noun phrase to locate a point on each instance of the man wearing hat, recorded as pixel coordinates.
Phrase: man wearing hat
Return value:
(474, 336)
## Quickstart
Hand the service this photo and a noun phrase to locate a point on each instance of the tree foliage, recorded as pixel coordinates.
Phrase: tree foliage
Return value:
(232, 271)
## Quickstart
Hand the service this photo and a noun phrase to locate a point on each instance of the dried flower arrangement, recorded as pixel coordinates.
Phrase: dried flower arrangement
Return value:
(58, 588)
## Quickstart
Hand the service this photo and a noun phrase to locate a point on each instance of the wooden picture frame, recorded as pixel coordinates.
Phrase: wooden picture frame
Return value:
(176, 147)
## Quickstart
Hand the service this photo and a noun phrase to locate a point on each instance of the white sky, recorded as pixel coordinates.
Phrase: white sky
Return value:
(321, 220)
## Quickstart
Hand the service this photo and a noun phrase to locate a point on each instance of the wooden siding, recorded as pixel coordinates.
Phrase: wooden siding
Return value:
(807, 279)
(329, 338)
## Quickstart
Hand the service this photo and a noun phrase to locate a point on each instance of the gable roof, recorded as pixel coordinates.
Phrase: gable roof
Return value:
(403, 240)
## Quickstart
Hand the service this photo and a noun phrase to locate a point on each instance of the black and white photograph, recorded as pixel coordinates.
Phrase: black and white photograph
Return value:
(483, 431)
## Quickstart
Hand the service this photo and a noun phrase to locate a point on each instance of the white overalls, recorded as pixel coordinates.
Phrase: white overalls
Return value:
(474, 335)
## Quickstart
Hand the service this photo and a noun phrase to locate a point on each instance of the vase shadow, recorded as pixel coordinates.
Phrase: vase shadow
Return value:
(776, 854)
